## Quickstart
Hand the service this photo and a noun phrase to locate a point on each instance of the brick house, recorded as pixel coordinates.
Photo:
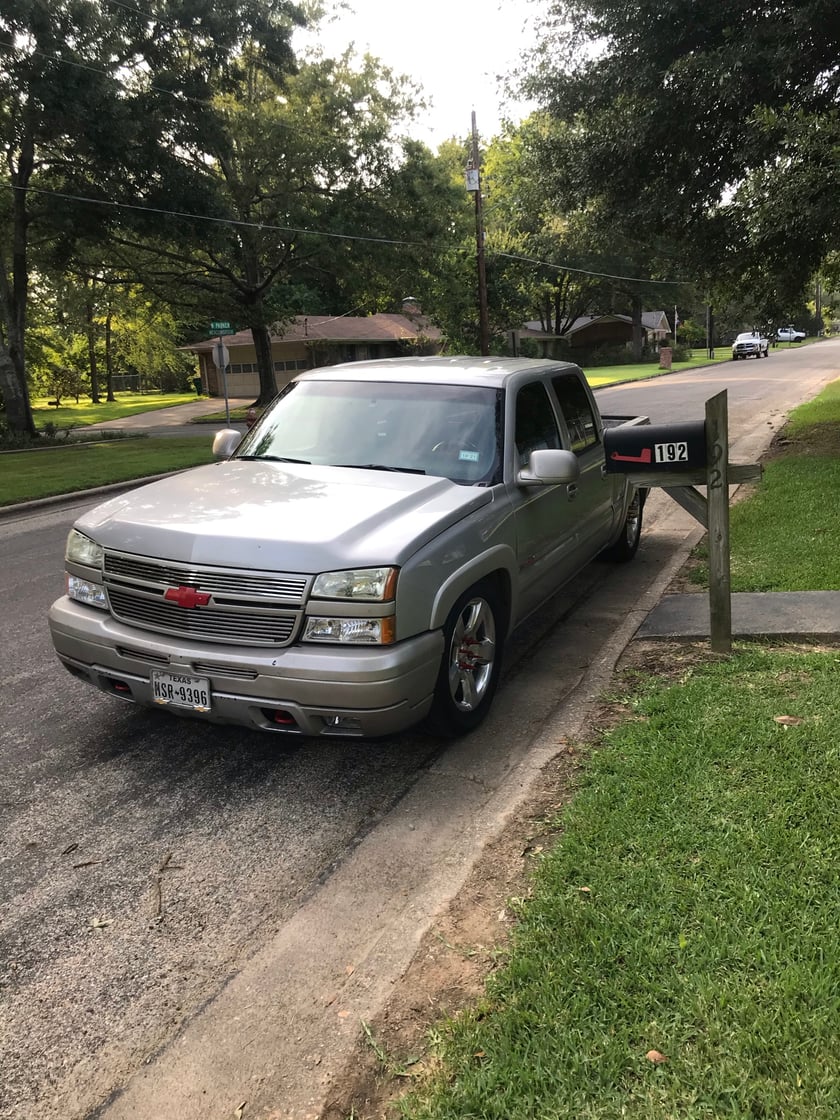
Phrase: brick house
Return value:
(316, 340)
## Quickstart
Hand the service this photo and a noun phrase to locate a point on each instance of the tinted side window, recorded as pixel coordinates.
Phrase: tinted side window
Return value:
(536, 427)
(577, 411)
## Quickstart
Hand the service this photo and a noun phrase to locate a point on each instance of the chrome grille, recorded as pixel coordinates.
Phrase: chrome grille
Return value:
(238, 627)
(123, 568)
(245, 608)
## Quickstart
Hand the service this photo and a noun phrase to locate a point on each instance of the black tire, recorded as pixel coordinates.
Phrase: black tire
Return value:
(472, 660)
(627, 545)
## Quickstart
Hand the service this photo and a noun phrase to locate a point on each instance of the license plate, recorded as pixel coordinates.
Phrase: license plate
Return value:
(181, 691)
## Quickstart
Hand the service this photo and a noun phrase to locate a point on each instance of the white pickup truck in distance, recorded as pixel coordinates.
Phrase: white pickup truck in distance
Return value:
(355, 562)
(789, 334)
(750, 344)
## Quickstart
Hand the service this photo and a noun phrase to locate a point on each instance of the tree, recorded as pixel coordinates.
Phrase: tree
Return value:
(300, 183)
(719, 121)
(92, 99)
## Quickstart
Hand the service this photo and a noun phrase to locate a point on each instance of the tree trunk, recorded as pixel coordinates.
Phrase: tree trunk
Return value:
(18, 409)
(109, 359)
(265, 365)
(637, 328)
(91, 342)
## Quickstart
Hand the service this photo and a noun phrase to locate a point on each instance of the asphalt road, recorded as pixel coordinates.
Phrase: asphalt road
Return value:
(193, 916)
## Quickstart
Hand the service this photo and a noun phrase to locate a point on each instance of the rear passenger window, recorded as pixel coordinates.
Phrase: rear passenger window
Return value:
(577, 411)
(536, 426)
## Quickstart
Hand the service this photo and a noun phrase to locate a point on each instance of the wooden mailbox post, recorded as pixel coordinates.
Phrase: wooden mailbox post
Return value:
(677, 458)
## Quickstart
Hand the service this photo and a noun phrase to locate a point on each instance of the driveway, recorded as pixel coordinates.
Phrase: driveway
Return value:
(173, 421)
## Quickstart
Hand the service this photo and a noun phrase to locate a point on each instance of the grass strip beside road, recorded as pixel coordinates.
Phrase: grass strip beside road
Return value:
(678, 955)
(781, 537)
(25, 475)
(73, 415)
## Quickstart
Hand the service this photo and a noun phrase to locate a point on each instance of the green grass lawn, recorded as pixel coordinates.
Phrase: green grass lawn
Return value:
(25, 475)
(70, 414)
(782, 538)
(690, 909)
(678, 957)
(598, 376)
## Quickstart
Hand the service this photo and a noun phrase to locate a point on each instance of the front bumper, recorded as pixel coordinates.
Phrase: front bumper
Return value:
(300, 690)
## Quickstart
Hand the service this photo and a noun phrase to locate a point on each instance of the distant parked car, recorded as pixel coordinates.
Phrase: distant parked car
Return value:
(750, 344)
(789, 334)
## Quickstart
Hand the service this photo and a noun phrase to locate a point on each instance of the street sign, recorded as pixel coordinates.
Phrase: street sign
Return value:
(221, 356)
(219, 327)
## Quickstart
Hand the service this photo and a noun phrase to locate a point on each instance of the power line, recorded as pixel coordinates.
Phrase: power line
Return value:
(235, 222)
(589, 272)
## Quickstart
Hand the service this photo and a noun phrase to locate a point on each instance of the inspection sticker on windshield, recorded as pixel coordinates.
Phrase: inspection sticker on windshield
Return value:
(671, 452)
(468, 456)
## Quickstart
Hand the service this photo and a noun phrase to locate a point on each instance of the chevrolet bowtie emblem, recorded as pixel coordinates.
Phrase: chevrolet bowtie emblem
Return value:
(187, 597)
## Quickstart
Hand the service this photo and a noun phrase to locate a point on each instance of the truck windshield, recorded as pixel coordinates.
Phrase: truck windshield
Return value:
(452, 431)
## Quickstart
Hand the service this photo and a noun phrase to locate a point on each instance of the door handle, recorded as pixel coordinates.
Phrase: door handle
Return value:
(571, 491)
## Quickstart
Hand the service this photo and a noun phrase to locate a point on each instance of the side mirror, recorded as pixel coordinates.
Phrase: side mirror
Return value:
(226, 442)
(548, 467)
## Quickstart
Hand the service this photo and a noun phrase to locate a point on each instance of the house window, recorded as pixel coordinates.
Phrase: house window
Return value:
(291, 365)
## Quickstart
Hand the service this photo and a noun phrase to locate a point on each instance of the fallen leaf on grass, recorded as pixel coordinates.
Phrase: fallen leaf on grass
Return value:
(656, 1056)
(788, 721)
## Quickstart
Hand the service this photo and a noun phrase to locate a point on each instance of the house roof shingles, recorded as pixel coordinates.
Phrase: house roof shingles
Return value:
(382, 327)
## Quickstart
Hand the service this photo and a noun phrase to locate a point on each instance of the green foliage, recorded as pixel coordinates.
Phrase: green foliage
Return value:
(717, 121)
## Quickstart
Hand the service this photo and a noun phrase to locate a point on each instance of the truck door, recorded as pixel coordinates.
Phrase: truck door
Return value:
(546, 517)
(599, 493)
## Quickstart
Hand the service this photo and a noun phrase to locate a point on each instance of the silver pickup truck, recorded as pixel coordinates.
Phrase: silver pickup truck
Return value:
(354, 563)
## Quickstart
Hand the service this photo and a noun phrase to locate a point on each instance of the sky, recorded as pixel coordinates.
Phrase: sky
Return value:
(452, 48)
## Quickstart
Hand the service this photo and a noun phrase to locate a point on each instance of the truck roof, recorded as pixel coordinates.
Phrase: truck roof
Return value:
(493, 373)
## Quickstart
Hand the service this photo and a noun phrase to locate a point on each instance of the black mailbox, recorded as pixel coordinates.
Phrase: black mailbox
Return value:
(650, 447)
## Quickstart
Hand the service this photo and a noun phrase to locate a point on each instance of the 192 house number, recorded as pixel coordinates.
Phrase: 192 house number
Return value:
(670, 452)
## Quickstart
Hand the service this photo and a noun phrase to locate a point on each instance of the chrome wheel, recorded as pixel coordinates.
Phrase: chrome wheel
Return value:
(473, 645)
(472, 653)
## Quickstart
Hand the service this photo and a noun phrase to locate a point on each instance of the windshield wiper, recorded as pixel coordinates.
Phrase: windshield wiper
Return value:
(380, 467)
(273, 459)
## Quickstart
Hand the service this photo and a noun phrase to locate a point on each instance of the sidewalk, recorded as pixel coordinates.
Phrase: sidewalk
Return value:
(802, 616)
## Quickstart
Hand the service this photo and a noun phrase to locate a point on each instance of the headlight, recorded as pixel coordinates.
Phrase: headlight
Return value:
(350, 631)
(372, 585)
(86, 591)
(82, 550)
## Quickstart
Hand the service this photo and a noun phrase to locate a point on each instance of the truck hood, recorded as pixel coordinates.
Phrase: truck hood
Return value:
(282, 517)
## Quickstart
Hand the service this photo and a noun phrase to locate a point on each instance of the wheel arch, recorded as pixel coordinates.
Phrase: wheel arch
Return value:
(496, 566)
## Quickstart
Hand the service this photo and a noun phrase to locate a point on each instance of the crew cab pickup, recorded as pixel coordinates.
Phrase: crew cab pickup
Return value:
(355, 562)
(750, 344)
(789, 334)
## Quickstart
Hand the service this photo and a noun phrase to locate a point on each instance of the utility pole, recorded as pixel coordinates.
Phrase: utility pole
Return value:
(474, 185)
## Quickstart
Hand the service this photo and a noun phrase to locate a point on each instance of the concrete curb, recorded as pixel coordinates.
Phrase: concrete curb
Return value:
(38, 504)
